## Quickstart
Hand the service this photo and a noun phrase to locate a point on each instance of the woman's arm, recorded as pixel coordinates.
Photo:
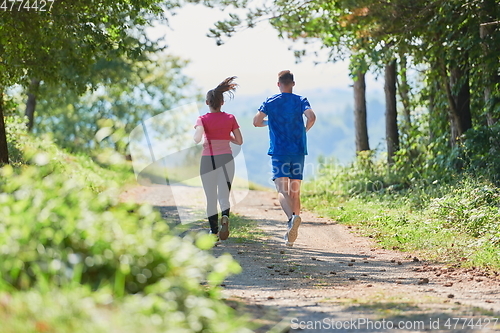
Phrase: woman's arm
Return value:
(198, 134)
(237, 138)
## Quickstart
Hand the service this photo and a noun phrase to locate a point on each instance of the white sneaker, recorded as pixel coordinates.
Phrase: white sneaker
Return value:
(293, 230)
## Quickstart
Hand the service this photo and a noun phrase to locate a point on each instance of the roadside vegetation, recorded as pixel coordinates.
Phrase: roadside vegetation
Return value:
(75, 259)
(445, 208)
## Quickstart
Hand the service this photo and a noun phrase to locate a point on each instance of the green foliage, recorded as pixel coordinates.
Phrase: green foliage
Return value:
(79, 310)
(480, 152)
(455, 220)
(81, 167)
(471, 208)
(59, 44)
(476, 154)
(56, 232)
(65, 234)
(138, 90)
(364, 176)
(16, 130)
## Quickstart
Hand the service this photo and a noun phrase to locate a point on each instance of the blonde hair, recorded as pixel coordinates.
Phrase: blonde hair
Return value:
(215, 97)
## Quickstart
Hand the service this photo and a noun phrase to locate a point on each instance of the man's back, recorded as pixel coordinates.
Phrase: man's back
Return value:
(286, 123)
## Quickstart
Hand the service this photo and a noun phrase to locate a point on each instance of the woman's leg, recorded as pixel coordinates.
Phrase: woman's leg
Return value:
(209, 181)
(225, 176)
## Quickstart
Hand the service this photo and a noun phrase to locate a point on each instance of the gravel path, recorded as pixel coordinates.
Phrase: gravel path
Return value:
(334, 280)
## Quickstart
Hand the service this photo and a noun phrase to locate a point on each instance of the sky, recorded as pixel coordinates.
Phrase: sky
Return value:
(254, 55)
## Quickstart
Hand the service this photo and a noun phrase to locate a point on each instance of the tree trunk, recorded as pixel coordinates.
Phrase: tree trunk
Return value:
(31, 102)
(458, 100)
(433, 133)
(360, 112)
(463, 115)
(491, 77)
(404, 92)
(454, 124)
(391, 113)
(4, 150)
(439, 117)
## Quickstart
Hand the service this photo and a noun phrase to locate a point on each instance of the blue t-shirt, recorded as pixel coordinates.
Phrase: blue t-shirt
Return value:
(287, 132)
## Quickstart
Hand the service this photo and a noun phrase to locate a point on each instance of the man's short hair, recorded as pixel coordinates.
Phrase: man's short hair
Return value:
(285, 77)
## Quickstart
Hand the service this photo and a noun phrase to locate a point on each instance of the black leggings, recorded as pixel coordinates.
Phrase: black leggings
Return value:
(217, 173)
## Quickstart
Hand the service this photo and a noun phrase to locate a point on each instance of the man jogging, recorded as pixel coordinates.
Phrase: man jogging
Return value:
(288, 146)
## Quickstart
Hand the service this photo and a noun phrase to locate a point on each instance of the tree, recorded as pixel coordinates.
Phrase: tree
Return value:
(360, 126)
(440, 34)
(31, 102)
(391, 112)
(136, 90)
(59, 45)
(4, 156)
(490, 61)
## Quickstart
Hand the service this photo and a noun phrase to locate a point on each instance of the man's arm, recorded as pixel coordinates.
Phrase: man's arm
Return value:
(258, 120)
(311, 118)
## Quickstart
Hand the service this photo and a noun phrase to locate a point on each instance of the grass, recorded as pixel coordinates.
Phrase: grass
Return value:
(400, 227)
(244, 229)
(456, 224)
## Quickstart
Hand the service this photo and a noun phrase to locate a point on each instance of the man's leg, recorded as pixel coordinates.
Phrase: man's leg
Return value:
(282, 186)
(296, 170)
(295, 220)
(282, 173)
(286, 201)
(294, 193)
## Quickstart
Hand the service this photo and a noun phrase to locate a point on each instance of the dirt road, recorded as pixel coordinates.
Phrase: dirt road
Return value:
(334, 280)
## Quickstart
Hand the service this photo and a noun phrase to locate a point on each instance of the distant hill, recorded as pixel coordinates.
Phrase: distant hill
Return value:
(331, 136)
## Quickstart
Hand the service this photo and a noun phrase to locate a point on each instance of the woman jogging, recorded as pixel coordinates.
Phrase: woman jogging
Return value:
(217, 166)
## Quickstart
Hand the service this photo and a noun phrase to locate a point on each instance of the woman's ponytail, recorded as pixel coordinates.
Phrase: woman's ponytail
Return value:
(215, 97)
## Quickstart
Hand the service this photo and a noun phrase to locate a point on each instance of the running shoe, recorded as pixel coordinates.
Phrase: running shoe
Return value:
(224, 230)
(292, 230)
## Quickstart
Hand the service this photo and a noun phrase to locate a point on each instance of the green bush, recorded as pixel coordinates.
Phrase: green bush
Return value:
(472, 208)
(364, 176)
(56, 232)
(77, 310)
(480, 151)
(459, 218)
(16, 133)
